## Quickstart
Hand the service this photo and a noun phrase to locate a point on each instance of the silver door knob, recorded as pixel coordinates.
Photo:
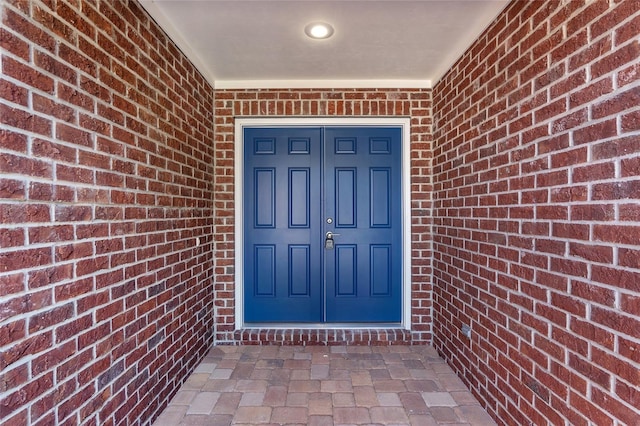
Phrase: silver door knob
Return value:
(329, 235)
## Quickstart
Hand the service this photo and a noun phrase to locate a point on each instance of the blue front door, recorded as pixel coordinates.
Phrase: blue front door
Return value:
(322, 225)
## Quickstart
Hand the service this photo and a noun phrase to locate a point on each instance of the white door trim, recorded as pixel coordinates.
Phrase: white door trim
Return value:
(403, 122)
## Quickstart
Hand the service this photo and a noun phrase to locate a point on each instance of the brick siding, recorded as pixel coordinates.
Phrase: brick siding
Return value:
(413, 103)
(109, 180)
(324, 337)
(106, 162)
(536, 210)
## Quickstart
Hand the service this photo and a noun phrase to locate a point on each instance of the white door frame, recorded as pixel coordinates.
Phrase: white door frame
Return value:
(402, 122)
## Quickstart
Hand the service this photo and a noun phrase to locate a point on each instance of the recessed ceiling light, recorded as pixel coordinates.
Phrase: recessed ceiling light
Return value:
(318, 30)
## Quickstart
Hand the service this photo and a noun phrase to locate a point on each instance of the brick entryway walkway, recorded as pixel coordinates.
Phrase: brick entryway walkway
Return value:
(320, 385)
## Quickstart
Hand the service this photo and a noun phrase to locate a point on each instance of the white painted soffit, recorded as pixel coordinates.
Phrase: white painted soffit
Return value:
(243, 44)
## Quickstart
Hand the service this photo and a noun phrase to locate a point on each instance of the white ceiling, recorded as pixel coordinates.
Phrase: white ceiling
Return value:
(261, 43)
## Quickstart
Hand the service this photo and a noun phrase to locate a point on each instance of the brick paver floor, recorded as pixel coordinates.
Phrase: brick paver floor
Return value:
(320, 385)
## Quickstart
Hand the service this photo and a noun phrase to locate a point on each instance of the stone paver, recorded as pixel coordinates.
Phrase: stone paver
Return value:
(252, 399)
(389, 415)
(343, 399)
(289, 415)
(253, 415)
(414, 403)
(275, 396)
(184, 397)
(388, 399)
(172, 415)
(439, 399)
(203, 403)
(323, 386)
(365, 396)
(297, 399)
(227, 403)
(320, 404)
(319, 371)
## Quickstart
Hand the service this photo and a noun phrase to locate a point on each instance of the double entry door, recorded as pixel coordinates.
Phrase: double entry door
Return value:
(322, 225)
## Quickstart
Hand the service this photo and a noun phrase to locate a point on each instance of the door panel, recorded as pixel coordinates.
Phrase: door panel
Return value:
(283, 243)
(265, 269)
(299, 270)
(265, 202)
(346, 259)
(381, 261)
(345, 195)
(379, 201)
(362, 191)
(299, 198)
(295, 180)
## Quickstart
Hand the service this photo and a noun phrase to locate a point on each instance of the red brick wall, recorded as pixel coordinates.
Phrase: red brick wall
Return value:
(106, 162)
(415, 103)
(536, 210)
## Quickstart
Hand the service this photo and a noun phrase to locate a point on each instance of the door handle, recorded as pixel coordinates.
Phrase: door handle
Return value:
(328, 241)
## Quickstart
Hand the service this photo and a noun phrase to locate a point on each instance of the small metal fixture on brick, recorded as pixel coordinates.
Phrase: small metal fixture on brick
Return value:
(466, 331)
